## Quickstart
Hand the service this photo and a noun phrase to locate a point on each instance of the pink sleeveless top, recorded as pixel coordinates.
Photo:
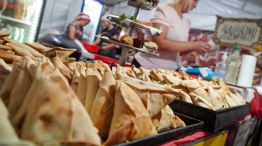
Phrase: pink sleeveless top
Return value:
(178, 30)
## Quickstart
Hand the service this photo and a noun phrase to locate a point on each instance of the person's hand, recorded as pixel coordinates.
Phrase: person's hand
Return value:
(202, 37)
(103, 47)
(201, 46)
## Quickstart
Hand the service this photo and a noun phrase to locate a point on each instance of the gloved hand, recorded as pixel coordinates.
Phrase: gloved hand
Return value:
(85, 54)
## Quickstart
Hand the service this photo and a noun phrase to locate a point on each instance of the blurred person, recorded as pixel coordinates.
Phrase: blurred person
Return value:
(111, 31)
(173, 39)
(74, 35)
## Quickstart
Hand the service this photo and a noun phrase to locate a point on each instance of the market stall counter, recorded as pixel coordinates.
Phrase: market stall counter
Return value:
(50, 99)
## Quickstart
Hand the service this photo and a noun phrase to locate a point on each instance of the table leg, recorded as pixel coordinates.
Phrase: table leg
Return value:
(123, 56)
(136, 12)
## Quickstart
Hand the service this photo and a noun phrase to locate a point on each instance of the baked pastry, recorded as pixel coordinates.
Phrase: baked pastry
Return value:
(154, 96)
(9, 81)
(130, 119)
(190, 84)
(4, 67)
(54, 113)
(76, 76)
(4, 47)
(19, 50)
(5, 70)
(39, 47)
(126, 39)
(21, 86)
(26, 48)
(7, 133)
(102, 108)
(81, 87)
(4, 34)
(216, 101)
(93, 77)
(166, 120)
(62, 67)
(185, 97)
(8, 137)
(151, 47)
(7, 56)
(60, 52)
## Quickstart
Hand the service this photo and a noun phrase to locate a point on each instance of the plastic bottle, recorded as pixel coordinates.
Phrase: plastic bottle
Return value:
(233, 65)
(221, 67)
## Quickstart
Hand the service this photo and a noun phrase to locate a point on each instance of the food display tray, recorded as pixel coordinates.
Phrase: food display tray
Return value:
(213, 120)
(133, 24)
(106, 39)
(167, 136)
(142, 6)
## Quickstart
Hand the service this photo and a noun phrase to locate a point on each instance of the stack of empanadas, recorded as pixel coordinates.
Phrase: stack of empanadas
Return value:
(50, 110)
(45, 109)
(85, 81)
(57, 112)
(56, 101)
(10, 50)
(108, 104)
(154, 96)
(212, 94)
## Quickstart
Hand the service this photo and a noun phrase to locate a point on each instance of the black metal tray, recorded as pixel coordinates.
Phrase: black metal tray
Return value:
(213, 120)
(167, 136)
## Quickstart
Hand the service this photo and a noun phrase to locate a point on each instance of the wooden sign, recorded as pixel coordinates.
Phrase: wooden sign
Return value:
(247, 32)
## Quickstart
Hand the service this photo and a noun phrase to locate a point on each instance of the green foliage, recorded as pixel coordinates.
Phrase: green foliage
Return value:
(124, 16)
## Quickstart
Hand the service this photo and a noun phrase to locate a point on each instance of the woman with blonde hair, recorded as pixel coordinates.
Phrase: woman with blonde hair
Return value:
(173, 39)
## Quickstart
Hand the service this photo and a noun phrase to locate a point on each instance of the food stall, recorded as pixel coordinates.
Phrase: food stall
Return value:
(48, 98)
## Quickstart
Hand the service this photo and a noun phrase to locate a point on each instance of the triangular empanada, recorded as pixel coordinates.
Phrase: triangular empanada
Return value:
(8, 136)
(9, 81)
(166, 120)
(20, 88)
(93, 77)
(81, 87)
(102, 108)
(56, 114)
(130, 119)
(62, 67)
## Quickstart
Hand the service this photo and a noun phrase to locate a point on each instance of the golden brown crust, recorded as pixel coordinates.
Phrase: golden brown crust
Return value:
(56, 112)
(102, 108)
(166, 120)
(4, 34)
(4, 47)
(130, 120)
(127, 40)
(39, 47)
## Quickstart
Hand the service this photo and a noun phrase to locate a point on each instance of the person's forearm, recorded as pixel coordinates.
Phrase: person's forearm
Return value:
(177, 46)
(109, 46)
(72, 37)
(97, 41)
(72, 33)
